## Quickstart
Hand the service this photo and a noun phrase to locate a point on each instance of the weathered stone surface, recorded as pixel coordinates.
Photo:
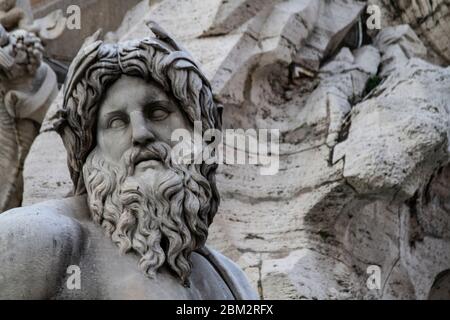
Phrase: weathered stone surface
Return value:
(408, 131)
(270, 33)
(430, 20)
(14, 14)
(109, 12)
(397, 45)
(166, 240)
(27, 88)
(336, 20)
(364, 170)
(47, 151)
(402, 134)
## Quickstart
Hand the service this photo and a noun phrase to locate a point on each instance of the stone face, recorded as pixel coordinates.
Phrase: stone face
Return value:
(131, 195)
(364, 129)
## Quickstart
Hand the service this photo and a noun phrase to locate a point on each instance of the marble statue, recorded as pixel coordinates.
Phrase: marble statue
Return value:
(17, 15)
(27, 88)
(137, 223)
(11, 15)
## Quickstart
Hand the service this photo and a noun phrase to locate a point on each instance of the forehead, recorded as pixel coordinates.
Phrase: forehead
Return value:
(128, 92)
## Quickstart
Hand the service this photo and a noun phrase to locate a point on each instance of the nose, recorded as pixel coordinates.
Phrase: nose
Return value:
(142, 134)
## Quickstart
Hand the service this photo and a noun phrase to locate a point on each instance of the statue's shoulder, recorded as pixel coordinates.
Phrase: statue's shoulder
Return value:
(59, 210)
(32, 227)
(74, 208)
(37, 244)
(233, 276)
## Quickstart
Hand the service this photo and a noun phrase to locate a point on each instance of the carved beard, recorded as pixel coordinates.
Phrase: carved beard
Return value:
(162, 219)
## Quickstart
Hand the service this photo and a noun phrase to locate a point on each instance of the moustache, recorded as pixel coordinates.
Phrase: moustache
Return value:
(158, 151)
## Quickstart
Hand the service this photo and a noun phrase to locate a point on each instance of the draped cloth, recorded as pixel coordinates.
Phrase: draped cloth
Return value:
(231, 274)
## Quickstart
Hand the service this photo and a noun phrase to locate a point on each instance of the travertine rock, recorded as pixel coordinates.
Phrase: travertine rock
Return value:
(272, 30)
(406, 128)
(336, 20)
(396, 147)
(397, 45)
(430, 19)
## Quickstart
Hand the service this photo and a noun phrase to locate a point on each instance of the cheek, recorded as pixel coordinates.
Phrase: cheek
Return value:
(113, 144)
(174, 122)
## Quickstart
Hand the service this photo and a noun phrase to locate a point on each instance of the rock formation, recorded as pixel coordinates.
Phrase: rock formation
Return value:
(364, 151)
(429, 19)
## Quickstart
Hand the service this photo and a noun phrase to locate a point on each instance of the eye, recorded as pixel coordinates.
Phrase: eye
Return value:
(116, 123)
(158, 114)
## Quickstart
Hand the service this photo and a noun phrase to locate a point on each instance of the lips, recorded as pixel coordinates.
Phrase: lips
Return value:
(146, 158)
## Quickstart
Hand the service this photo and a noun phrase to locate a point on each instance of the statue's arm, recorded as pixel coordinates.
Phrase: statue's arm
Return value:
(36, 247)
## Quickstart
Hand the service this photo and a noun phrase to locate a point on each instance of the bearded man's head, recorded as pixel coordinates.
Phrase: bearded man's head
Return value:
(121, 104)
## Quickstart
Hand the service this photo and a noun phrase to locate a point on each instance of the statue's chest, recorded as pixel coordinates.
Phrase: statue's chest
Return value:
(106, 274)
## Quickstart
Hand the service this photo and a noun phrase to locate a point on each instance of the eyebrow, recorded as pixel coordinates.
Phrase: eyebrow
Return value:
(114, 113)
(152, 104)
(159, 103)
